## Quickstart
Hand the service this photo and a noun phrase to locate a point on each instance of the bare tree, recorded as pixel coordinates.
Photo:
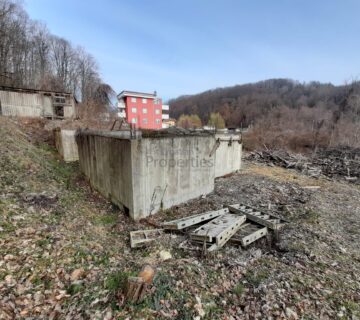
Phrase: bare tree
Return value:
(30, 56)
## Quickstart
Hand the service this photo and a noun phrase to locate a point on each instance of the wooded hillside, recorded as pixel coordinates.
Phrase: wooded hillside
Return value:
(32, 57)
(280, 110)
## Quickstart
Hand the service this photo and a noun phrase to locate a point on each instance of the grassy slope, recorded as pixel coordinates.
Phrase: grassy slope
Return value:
(43, 241)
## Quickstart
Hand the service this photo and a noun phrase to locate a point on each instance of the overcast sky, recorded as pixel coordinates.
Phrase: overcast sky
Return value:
(187, 46)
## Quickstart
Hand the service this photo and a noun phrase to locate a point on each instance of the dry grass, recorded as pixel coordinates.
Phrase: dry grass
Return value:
(285, 175)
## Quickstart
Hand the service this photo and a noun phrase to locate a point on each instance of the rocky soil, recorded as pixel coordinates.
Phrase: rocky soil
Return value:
(65, 253)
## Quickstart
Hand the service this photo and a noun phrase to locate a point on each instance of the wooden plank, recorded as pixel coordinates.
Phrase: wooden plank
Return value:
(268, 220)
(192, 220)
(142, 237)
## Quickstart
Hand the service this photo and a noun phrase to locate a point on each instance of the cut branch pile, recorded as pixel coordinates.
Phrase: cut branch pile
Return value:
(337, 162)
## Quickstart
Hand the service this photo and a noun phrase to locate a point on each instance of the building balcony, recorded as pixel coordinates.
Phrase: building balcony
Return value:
(165, 116)
(165, 107)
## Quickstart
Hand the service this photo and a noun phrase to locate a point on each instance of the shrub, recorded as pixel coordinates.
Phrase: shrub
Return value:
(189, 121)
(216, 120)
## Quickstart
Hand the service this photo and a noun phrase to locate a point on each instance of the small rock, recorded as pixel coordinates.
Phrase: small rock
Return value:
(257, 254)
(165, 255)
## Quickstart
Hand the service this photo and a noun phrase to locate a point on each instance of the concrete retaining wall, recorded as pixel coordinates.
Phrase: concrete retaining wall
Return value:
(228, 154)
(66, 144)
(145, 175)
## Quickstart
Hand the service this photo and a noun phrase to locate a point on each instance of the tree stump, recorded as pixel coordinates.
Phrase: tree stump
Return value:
(135, 289)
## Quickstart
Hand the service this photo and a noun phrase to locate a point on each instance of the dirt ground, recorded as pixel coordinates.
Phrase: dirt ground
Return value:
(65, 252)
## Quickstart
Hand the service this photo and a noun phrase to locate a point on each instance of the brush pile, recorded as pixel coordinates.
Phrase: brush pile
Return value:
(333, 163)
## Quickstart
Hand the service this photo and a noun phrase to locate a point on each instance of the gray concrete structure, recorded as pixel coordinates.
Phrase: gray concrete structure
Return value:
(228, 154)
(21, 102)
(66, 145)
(147, 174)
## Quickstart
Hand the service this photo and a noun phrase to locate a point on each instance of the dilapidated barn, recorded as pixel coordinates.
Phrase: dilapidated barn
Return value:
(36, 103)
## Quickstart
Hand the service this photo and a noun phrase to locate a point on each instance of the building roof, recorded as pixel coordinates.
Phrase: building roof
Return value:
(28, 90)
(127, 93)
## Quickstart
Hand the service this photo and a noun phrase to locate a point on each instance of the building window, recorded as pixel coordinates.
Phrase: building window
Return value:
(157, 111)
(145, 121)
(133, 110)
(157, 121)
(133, 120)
(156, 101)
(144, 110)
(144, 100)
(133, 99)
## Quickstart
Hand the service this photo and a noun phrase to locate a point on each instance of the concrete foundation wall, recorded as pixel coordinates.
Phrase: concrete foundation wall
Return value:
(169, 171)
(66, 144)
(145, 175)
(228, 155)
(107, 163)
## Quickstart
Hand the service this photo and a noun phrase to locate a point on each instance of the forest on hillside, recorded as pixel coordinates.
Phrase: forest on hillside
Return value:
(282, 112)
(32, 57)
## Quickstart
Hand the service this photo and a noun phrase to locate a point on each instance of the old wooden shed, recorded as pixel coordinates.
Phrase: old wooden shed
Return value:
(23, 102)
